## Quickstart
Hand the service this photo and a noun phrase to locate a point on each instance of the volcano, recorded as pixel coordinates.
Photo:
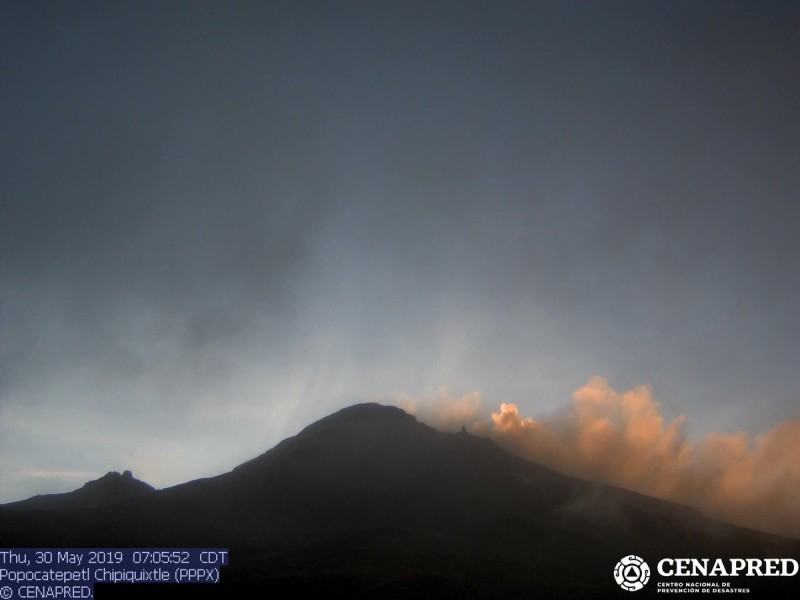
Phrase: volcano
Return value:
(371, 503)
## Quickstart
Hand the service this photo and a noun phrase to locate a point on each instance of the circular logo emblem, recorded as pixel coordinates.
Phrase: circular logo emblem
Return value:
(631, 573)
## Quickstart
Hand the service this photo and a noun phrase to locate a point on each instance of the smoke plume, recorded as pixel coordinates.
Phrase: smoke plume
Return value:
(622, 439)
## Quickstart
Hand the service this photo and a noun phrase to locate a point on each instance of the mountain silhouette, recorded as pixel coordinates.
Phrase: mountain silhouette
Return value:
(109, 489)
(370, 503)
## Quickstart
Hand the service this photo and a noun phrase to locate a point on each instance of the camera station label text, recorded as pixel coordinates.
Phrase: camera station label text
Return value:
(72, 572)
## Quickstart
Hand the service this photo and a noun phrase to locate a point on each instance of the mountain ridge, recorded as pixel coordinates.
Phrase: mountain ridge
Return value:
(373, 503)
(111, 488)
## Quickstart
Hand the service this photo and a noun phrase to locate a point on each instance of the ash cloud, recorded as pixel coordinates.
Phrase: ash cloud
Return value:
(623, 439)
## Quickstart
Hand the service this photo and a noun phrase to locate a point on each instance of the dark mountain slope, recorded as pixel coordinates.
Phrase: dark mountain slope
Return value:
(370, 503)
(109, 489)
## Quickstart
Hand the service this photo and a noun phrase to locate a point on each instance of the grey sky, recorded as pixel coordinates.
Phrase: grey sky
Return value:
(221, 221)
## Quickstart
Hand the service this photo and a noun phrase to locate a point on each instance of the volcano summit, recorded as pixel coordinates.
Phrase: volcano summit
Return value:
(371, 503)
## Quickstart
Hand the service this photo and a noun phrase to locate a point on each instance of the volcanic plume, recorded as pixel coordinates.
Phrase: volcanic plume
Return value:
(623, 439)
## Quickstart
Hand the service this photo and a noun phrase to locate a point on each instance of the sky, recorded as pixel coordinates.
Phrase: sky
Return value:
(223, 221)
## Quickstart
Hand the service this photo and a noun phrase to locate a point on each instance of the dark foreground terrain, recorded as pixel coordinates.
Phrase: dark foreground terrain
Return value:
(370, 503)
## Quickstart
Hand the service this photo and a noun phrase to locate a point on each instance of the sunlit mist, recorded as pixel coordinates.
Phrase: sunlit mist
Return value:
(622, 438)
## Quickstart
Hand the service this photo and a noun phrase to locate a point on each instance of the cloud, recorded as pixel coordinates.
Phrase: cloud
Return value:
(623, 439)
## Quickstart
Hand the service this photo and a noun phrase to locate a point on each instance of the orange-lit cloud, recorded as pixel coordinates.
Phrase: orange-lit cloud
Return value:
(622, 439)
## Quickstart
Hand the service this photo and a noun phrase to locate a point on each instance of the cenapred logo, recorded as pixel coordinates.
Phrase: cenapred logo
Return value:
(631, 573)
